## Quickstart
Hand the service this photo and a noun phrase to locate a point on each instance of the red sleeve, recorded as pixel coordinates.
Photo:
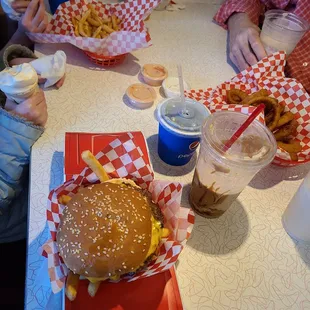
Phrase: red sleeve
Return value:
(253, 8)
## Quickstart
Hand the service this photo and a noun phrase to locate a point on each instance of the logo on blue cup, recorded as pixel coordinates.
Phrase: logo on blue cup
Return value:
(193, 146)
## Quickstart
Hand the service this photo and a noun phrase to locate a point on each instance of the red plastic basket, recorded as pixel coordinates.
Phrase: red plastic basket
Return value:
(105, 61)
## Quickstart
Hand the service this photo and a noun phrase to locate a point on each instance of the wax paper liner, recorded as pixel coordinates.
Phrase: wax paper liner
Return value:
(132, 36)
(268, 74)
(124, 158)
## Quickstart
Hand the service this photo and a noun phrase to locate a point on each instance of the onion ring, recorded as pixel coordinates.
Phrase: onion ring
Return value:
(235, 96)
(260, 93)
(270, 104)
(286, 130)
(285, 118)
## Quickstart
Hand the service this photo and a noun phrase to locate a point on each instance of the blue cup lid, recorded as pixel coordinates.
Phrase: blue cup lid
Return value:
(184, 121)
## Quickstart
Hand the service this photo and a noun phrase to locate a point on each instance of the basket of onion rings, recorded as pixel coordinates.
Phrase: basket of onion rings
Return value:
(287, 105)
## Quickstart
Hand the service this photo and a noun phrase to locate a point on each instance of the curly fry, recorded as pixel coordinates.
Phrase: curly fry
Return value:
(260, 93)
(271, 105)
(291, 147)
(282, 107)
(235, 96)
(285, 118)
(286, 130)
(294, 156)
(269, 117)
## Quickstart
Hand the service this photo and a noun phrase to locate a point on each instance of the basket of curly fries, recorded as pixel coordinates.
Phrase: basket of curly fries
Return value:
(105, 32)
(287, 105)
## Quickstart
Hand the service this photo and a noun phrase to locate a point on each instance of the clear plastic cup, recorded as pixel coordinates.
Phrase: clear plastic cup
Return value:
(296, 217)
(221, 176)
(282, 31)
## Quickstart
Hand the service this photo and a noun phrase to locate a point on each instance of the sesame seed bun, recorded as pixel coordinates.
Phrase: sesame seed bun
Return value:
(106, 229)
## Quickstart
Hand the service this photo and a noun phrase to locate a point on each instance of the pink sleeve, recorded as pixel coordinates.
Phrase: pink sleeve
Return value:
(253, 8)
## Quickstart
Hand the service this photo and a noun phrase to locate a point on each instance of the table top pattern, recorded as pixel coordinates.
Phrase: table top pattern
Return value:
(244, 259)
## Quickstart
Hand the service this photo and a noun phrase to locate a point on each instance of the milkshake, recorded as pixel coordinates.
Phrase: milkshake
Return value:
(221, 176)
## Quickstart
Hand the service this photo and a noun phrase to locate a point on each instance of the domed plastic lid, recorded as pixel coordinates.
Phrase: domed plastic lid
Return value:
(187, 120)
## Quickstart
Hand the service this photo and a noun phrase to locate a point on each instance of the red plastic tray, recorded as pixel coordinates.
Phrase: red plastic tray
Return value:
(159, 292)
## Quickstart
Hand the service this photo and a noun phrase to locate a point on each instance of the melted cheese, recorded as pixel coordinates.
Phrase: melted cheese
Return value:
(156, 237)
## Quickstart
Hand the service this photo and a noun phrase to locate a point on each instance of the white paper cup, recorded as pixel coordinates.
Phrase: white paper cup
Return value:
(296, 217)
(20, 97)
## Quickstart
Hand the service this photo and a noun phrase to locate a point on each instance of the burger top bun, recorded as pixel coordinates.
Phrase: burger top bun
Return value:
(106, 229)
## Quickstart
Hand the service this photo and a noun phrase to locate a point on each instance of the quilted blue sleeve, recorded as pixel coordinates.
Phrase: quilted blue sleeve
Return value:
(16, 139)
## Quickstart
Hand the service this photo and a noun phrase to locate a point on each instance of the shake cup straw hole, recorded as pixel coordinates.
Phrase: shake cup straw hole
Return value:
(243, 127)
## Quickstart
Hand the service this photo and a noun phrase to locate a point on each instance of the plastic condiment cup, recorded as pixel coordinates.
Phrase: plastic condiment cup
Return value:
(171, 87)
(141, 96)
(154, 74)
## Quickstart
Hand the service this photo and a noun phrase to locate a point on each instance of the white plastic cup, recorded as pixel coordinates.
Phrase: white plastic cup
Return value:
(296, 217)
(282, 31)
(171, 87)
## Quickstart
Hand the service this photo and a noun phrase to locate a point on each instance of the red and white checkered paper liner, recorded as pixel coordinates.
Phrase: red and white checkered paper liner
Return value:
(268, 74)
(132, 36)
(123, 158)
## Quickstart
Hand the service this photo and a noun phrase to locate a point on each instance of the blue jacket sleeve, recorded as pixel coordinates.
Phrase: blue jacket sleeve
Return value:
(16, 139)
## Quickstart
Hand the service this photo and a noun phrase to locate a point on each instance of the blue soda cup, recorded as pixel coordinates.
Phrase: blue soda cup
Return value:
(179, 130)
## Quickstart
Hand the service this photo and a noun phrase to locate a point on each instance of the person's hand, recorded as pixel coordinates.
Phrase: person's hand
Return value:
(35, 18)
(33, 109)
(245, 46)
(19, 61)
(20, 6)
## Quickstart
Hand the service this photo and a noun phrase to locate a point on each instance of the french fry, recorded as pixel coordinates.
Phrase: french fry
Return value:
(107, 29)
(64, 199)
(119, 21)
(104, 34)
(94, 22)
(87, 30)
(76, 26)
(95, 166)
(97, 32)
(85, 16)
(93, 288)
(72, 285)
(81, 29)
(106, 20)
(114, 22)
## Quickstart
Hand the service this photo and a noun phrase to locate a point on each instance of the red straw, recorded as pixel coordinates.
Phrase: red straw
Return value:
(243, 127)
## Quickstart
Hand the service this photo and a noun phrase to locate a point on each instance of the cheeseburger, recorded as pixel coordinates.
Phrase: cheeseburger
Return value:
(110, 229)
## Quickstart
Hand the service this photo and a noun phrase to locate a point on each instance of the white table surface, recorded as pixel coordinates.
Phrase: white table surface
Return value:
(244, 259)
